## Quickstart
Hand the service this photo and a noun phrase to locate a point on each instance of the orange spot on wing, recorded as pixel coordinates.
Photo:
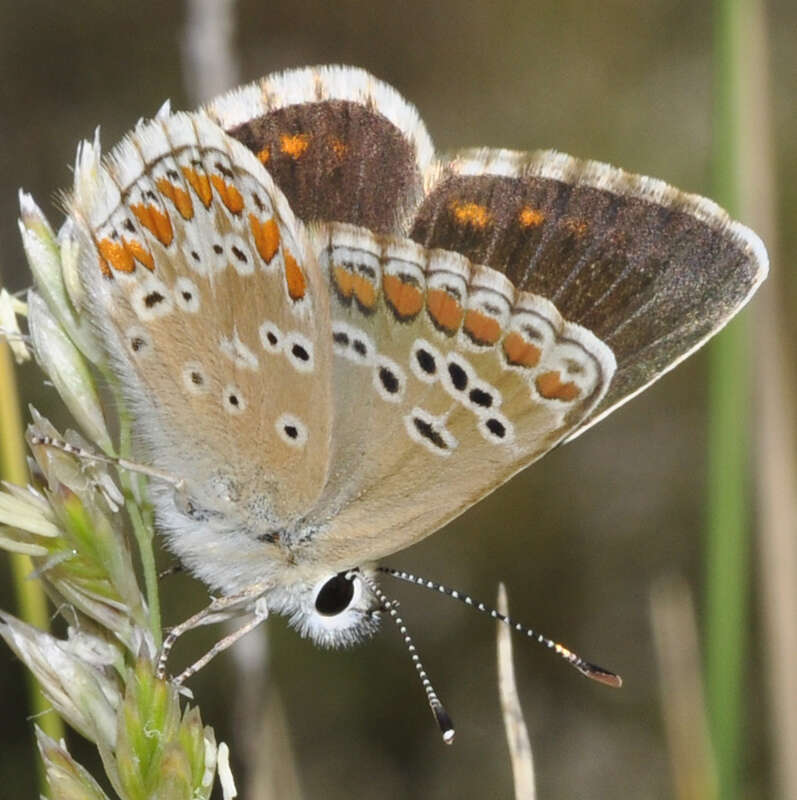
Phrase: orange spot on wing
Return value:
(178, 196)
(482, 328)
(550, 386)
(338, 147)
(140, 253)
(294, 145)
(344, 281)
(530, 217)
(229, 195)
(404, 298)
(294, 277)
(117, 255)
(350, 283)
(157, 222)
(444, 309)
(264, 155)
(520, 352)
(364, 291)
(267, 237)
(575, 226)
(472, 214)
(200, 184)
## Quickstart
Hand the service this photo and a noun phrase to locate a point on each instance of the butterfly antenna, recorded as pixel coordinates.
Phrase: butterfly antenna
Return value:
(591, 671)
(90, 455)
(438, 709)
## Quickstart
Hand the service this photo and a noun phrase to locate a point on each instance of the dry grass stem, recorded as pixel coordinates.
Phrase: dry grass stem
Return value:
(517, 735)
(683, 702)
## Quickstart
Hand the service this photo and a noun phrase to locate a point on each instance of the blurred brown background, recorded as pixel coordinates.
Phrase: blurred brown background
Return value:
(581, 537)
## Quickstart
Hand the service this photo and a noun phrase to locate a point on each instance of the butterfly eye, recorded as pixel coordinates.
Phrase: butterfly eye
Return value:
(335, 595)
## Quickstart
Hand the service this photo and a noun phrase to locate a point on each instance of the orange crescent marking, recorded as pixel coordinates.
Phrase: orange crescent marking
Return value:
(155, 221)
(482, 328)
(520, 352)
(178, 196)
(364, 291)
(294, 277)
(264, 155)
(267, 237)
(117, 255)
(444, 310)
(229, 195)
(404, 298)
(550, 386)
(344, 280)
(200, 184)
(105, 268)
(140, 253)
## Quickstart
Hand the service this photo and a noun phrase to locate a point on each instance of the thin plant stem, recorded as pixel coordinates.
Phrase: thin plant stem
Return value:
(142, 530)
(728, 538)
(30, 597)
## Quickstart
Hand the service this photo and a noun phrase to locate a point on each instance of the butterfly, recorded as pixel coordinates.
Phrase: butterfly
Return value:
(339, 340)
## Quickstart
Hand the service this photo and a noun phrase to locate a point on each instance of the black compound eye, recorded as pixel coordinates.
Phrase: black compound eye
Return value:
(335, 595)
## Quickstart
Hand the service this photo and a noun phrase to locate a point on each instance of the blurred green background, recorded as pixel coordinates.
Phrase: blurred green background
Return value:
(582, 537)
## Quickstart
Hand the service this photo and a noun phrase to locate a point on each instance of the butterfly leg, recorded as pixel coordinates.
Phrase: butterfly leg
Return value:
(219, 609)
(259, 615)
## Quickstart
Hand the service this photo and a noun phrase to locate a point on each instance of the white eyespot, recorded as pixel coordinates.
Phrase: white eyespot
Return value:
(482, 398)
(496, 428)
(151, 299)
(239, 255)
(341, 339)
(390, 379)
(257, 200)
(271, 337)
(298, 350)
(457, 377)
(430, 431)
(218, 254)
(238, 352)
(233, 400)
(426, 362)
(186, 295)
(352, 343)
(195, 379)
(194, 252)
(138, 341)
(291, 430)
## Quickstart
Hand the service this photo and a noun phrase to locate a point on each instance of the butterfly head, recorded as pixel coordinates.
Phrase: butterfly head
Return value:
(336, 610)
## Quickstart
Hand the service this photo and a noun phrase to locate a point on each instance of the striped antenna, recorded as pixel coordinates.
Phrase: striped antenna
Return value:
(591, 671)
(438, 709)
(90, 455)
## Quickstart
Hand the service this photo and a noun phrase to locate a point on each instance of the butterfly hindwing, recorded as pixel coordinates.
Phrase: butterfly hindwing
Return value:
(446, 381)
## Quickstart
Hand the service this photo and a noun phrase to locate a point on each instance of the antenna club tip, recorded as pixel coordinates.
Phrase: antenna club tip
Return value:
(445, 724)
(607, 678)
